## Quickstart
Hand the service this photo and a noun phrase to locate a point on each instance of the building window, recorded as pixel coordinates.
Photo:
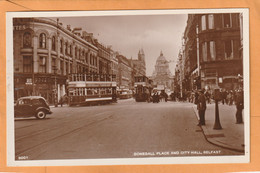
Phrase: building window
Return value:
(42, 40)
(61, 46)
(27, 39)
(70, 70)
(228, 49)
(66, 48)
(27, 64)
(79, 54)
(53, 43)
(211, 21)
(76, 53)
(203, 22)
(42, 64)
(227, 20)
(53, 65)
(71, 50)
(86, 58)
(67, 68)
(212, 49)
(204, 51)
(61, 67)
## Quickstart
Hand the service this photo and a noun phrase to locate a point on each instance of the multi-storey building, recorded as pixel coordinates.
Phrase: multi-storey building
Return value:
(213, 51)
(179, 74)
(114, 64)
(45, 53)
(139, 64)
(219, 47)
(190, 53)
(162, 75)
(104, 58)
(124, 72)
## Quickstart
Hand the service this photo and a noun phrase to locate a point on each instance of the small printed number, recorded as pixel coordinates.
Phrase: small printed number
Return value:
(23, 157)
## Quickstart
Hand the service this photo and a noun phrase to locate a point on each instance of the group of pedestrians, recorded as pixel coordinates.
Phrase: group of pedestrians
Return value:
(228, 97)
(202, 97)
(159, 97)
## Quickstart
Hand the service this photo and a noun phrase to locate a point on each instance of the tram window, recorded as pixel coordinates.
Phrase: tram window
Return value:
(96, 90)
(102, 91)
(89, 92)
(109, 91)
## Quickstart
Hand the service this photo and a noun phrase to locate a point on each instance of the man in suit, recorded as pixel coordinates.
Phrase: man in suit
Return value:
(201, 106)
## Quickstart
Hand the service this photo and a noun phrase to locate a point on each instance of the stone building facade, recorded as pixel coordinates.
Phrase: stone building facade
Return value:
(212, 51)
(219, 50)
(139, 64)
(45, 53)
(124, 72)
(162, 75)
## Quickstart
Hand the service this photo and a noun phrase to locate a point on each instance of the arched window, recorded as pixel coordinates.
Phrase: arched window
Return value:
(42, 40)
(53, 43)
(71, 50)
(66, 48)
(76, 52)
(61, 46)
(27, 39)
(86, 57)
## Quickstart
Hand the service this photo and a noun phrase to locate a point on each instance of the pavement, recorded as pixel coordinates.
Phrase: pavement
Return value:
(231, 136)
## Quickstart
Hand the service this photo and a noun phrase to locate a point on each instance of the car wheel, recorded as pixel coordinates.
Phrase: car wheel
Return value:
(40, 114)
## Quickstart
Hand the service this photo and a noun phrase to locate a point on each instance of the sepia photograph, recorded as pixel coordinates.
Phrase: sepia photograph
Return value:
(128, 87)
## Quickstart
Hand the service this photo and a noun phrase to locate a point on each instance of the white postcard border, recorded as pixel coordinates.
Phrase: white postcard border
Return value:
(123, 161)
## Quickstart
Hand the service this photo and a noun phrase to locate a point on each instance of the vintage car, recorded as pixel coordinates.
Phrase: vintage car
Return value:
(31, 106)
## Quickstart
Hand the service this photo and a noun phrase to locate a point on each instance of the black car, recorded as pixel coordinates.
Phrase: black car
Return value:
(31, 106)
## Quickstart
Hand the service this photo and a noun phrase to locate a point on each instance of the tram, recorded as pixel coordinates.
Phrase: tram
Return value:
(143, 88)
(91, 89)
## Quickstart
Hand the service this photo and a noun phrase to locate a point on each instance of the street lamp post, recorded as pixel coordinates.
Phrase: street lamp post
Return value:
(217, 97)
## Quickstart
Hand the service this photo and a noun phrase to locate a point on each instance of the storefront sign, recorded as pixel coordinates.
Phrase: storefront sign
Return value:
(28, 81)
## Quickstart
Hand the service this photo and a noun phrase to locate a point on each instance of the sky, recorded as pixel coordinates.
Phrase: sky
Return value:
(129, 34)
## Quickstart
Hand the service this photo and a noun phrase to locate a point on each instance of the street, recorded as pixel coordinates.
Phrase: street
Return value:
(126, 129)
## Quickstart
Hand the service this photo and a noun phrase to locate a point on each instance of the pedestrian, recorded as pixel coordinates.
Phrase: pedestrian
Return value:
(162, 97)
(166, 96)
(61, 101)
(201, 106)
(196, 97)
(147, 95)
(224, 96)
(240, 107)
(208, 97)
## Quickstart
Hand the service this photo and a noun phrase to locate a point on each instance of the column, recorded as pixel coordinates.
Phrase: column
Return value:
(35, 58)
(48, 60)
(59, 93)
(97, 62)
(88, 61)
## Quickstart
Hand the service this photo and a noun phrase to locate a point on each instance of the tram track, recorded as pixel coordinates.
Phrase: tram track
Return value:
(55, 133)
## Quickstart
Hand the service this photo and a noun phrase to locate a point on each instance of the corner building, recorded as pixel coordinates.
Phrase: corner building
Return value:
(45, 53)
(219, 50)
